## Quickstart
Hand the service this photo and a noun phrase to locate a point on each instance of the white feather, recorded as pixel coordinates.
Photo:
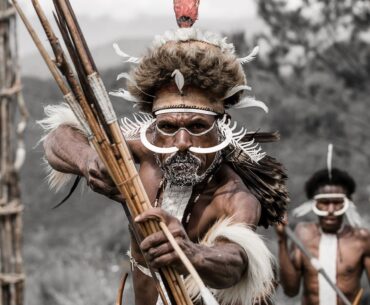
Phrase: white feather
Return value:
(131, 80)
(207, 296)
(250, 102)
(251, 56)
(353, 216)
(57, 115)
(236, 89)
(330, 160)
(128, 58)
(303, 209)
(252, 149)
(122, 93)
(131, 128)
(179, 79)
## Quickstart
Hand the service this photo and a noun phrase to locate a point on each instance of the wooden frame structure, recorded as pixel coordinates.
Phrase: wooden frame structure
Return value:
(13, 116)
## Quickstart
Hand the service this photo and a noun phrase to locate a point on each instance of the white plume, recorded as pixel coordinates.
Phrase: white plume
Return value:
(253, 150)
(236, 89)
(131, 127)
(303, 209)
(122, 93)
(127, 57)
(353, 216)
(128, 77)
(330, 160)
(251, 56)
(179, 79)
(249, 101)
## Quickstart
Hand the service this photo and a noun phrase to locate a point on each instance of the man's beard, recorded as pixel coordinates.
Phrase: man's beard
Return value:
(182, 169)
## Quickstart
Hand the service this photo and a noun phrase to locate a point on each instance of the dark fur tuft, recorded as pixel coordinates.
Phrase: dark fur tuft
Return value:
(203, 65)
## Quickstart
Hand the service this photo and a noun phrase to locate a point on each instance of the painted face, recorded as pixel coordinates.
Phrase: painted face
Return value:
(185, 130)
(331, 222)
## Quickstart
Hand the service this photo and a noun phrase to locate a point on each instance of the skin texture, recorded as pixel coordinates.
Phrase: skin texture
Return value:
(220, 266)
(353, 253)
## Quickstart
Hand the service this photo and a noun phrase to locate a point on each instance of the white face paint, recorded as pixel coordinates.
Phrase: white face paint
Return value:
(323, 213)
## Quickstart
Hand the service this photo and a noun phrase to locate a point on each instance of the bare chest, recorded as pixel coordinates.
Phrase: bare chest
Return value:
(348, 258)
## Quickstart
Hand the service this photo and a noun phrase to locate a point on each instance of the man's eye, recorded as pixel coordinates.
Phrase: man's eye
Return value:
(167, 127)
(197, 127)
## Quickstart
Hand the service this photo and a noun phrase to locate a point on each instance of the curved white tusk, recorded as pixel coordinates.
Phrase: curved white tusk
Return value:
(317, 211)
(213, 149)
(344, 209)
(326, 213)
(150, 146)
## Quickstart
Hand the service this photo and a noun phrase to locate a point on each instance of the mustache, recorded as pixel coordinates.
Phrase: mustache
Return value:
(187, 158)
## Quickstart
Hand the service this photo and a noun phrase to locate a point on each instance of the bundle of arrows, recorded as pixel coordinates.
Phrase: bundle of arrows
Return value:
(84, 91)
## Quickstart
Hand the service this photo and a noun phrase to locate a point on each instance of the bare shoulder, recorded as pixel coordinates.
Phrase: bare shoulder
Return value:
(306, 230)
(362, 234)
(234, 199)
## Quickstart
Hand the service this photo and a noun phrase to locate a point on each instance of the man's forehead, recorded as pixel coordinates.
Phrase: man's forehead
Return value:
(331, 189)
(186, 116)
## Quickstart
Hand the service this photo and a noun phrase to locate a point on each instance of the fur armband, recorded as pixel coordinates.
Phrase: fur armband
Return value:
(257, 282)
(57, 115)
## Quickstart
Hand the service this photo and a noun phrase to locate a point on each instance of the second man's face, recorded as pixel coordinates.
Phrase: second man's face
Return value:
(331, 223)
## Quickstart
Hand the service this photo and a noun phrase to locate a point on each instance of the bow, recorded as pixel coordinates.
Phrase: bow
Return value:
(88, 98)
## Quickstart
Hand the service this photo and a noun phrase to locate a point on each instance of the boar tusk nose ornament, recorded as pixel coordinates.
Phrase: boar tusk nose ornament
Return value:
(169, 150)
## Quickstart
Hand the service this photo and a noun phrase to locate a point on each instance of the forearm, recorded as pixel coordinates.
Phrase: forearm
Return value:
(66, 150)
(221, 266)
(289, 275)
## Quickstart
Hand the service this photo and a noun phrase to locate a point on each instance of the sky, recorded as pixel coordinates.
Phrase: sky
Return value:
(104, 21)
(131, 9)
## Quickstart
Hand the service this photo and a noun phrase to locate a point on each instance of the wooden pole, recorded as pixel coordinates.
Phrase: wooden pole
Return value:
(11, 159)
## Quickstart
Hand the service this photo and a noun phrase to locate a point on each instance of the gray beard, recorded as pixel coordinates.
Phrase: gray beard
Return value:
(182, 169)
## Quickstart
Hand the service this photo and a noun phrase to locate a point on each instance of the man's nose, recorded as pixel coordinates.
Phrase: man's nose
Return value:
(183, 140)
(331, 208)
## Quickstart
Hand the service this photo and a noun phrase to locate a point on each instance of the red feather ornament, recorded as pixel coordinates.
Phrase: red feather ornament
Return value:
(186, 12)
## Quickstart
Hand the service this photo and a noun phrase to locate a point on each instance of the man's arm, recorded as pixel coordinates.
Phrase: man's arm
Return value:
(221, 262)
(290, 264)
(68, 151)
(366, 238)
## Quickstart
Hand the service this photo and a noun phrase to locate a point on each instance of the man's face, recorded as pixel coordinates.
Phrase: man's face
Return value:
(330, 223)
(185, 130)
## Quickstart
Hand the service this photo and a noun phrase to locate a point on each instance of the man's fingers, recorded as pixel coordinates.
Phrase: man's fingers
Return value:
(99, 186)
(159, 251)
(153, 240)
(153, 213)
(165, 260)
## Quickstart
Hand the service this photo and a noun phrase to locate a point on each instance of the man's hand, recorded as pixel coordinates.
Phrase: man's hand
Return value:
(156, 247)
(280, 228)
(97, 177)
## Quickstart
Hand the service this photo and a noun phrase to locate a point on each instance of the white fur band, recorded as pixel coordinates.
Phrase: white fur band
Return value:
(57, 115)
(186, 34)
(257, 282)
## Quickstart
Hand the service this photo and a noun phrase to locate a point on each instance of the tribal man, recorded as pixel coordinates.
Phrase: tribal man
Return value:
(342, 250)
(209, 182)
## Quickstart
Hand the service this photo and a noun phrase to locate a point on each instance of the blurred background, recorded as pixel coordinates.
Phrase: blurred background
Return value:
(312, 71)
